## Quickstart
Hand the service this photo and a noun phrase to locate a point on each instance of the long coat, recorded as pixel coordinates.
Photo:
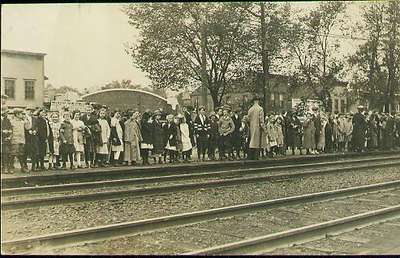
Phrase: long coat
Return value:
(170, 136)
(372, 134)
(6, 135)
(132, 139)
(45, 136)
(158, 137)
(236, 139)
(293, 132)
(256, 121)
(388, 136)
(105, 136)
(359, 129)
(309, 134)
(31, 138)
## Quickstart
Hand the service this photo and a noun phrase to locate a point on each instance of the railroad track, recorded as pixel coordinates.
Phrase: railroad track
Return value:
(267, 243)
(66, 177)
(165, 178)
(113, 231)
(145, 191)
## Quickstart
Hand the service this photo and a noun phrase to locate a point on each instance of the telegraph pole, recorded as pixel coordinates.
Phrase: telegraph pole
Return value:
(204, 80)
(264, 55)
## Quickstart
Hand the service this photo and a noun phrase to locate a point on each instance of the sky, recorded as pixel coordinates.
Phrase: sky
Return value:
(84, 43)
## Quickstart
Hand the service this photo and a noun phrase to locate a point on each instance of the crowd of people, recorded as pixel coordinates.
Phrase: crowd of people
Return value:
(103, 137)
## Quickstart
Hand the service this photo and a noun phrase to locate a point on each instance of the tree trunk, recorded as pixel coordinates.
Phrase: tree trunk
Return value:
(214, 96)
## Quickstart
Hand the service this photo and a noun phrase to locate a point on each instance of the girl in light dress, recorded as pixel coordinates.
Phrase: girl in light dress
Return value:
(117, 135)
(185, 138)
(78, 128)
(55, 125)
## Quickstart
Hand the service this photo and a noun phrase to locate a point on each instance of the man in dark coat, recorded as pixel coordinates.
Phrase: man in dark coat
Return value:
(359, 130)
(92, 136)
(389, 132)
(45, 137)
(31, 139)
(293, 132)
(318, 126)
(397, 131)
(6, 134)
(201, 129)
(236, 139)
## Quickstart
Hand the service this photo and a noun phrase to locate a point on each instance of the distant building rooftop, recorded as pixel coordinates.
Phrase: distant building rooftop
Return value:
(17, 52)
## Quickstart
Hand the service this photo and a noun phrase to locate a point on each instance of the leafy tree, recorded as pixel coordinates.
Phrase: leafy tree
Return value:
(182, 44)
(376, 63)
(127, 84)
(124, 84)
(311, 44)
(268, 33)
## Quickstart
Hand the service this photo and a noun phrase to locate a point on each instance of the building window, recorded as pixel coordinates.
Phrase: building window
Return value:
(29, 89)
(280, 99)
(336, 106)
(9, 88)
(272, 99)
(342, 106)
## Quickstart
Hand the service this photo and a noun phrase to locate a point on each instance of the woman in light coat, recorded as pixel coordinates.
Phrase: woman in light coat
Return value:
(309, 134)
(321, 140)
(55, 125)
(132, 139)
(102, 148)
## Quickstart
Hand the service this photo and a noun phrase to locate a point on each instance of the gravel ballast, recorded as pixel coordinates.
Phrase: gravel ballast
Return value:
(236, 228)
(44, 220)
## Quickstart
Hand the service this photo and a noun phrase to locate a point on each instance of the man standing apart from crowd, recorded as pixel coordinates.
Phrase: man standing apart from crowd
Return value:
(256, 121)
(359, 129)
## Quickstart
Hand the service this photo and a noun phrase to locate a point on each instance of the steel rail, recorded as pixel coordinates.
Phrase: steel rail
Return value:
(134, 181)
(267, 243)
(124, 172)
(58, 200)
(133, 227)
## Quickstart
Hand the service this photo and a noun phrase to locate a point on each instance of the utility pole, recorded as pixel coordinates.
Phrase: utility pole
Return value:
(204, 80)
(264, 55)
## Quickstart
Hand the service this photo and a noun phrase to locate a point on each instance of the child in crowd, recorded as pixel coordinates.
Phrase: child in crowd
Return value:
(67, 148)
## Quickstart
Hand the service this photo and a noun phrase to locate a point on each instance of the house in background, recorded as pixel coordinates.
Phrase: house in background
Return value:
(280, 96)
(22, 78)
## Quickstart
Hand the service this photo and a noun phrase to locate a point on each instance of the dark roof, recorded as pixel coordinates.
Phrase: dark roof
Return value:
(7, 51)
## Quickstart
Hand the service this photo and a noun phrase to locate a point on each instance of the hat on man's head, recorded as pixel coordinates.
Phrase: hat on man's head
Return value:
(256, 97)
(157, 112)
(202, 107)
(360, 107)
(212, 114)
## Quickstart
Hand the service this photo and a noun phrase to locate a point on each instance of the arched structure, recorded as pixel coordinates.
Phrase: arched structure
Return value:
(124, 99)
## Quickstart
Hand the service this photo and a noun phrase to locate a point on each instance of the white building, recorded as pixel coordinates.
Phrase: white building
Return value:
(22, 78)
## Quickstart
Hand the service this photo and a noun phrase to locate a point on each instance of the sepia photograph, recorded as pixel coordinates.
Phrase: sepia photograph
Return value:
(200, 128)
